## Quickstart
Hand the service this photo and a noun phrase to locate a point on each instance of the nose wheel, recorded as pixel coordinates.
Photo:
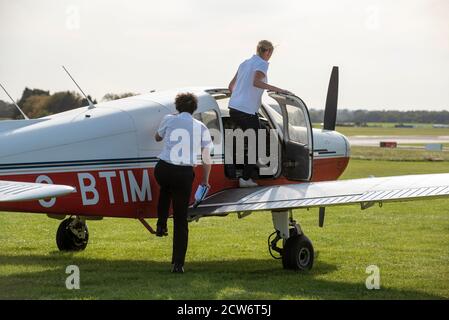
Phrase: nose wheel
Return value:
(72, 234)
(297, 252)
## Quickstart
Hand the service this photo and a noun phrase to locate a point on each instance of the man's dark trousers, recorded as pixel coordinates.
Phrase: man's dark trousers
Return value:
(246, 121)
(175, 186)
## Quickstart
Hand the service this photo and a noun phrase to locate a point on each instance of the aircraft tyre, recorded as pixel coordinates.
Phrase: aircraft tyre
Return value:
(298, 253)
(72, 235)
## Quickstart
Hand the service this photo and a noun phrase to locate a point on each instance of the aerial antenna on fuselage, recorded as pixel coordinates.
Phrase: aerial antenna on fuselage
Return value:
(91, 105)
(14, 102)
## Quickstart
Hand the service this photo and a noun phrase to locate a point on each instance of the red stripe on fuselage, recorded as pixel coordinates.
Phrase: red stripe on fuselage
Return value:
(127, 195)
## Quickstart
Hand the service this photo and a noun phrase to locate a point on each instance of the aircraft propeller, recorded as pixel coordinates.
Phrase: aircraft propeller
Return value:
(330, 112)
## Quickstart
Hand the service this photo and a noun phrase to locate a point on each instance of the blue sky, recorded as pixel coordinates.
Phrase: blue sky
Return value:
(393, 54)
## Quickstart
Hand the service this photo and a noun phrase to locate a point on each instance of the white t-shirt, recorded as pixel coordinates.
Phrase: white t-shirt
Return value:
(245, 96)
(184, 136)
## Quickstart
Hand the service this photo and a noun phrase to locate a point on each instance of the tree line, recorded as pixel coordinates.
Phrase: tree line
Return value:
(392, 116)
(37, 103)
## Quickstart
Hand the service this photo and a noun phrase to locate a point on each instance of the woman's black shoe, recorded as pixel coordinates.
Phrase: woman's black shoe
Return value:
(161, 231)
(177, 268)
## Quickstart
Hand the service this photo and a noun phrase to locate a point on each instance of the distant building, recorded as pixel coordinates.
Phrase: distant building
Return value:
(440, 126)
(434, 147)
(401, 125)
(345, 124)
(388, 144)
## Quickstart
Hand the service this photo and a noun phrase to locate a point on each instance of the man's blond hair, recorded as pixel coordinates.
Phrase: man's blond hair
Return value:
(264, 46)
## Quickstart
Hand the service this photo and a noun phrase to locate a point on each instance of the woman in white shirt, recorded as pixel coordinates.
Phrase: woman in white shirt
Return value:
(185, 140)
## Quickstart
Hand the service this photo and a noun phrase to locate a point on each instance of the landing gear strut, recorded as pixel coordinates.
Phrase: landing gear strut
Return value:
(297, 251)
(72, 234)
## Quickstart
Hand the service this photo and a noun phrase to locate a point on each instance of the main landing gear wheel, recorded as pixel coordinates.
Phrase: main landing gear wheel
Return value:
(298, 253)
(297, 250)
(72, 235)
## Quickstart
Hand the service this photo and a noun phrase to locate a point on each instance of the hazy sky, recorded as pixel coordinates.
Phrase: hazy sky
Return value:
(393, 54)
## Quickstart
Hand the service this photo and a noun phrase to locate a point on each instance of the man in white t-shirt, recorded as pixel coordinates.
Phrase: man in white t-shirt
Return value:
(247, 88)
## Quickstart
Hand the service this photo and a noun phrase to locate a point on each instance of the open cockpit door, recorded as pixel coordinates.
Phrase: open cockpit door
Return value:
(297, 147)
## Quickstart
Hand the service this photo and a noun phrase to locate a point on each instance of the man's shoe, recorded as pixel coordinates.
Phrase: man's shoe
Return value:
(247, 183)
(161, 231)
(177, 268)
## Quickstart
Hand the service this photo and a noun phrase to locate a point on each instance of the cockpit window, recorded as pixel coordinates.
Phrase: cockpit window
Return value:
(297, 127)
(210, 119)
(275, 113)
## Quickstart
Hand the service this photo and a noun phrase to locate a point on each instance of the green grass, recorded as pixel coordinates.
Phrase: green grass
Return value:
(388, 129)
(228, 258)
(391, 131)
(445, 145)
(393, 124)
(397, 154)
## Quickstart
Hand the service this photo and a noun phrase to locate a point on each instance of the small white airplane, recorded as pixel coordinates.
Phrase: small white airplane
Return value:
(98, 161)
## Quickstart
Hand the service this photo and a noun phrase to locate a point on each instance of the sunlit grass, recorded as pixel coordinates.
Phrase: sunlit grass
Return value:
(389, 130)
(398, 154)
(228, 258)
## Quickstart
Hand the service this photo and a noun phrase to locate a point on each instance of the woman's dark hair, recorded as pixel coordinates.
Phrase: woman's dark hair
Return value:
(186, 102)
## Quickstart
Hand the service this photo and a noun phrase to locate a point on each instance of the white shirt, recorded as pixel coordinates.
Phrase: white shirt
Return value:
(184, 136)
(245, 96)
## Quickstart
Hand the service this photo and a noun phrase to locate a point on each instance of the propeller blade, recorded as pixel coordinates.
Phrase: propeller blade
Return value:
(330, 112)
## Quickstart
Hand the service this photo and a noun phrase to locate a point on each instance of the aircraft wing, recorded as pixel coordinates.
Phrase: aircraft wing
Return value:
(23, 191)
(327, 193)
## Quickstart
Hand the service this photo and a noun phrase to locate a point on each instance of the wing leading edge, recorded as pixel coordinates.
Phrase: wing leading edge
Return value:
(11, 191)
(326, 193)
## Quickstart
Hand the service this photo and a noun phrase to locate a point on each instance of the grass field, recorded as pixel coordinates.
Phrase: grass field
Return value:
(388, 130)
(228, 258)
(398, 154)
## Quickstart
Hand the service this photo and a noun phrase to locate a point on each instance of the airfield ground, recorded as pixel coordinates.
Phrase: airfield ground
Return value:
(388, 129)
(228, 257)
